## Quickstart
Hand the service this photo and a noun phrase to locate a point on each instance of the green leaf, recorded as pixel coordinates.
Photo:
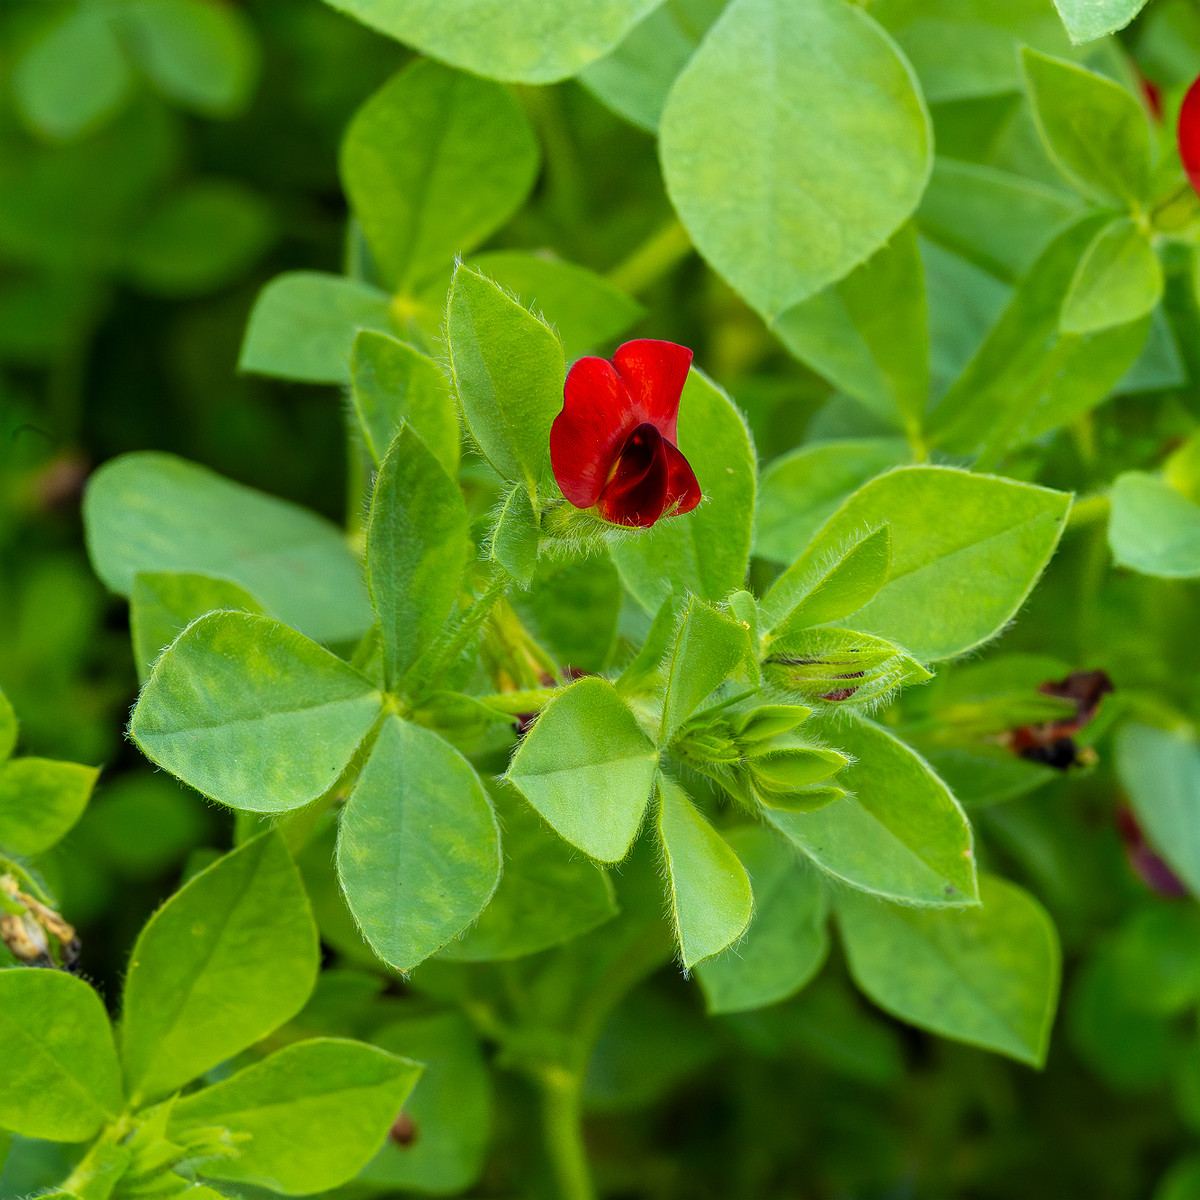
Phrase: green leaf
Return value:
(303, 326)
(819, 588)
(987, 975)
(515, 537)
(635, 78)
(74, 78)
(508, 371)
(707, 885)
(573, 608)
(824, 80)
(1153, 528)
(1028, 376)
(548, 894)
(868, 334)
(451, 1108)
(709, 646)
(40, 800)
(900, 834)
(963, 49)
(788, 938)
(584, 309)
(163, 603)
(1087, 20)
(154, 512)
(977, 538)
(1118, 280)
(230, 957)
(852, 667)
(202, 56)
(62, 1081)
(252, 714)
(800, 490)
(316, 1113)
(707, 551)
(8, 727)
(418, 849)
(433, 163)
(393, 385)
(997, 219)
(199, 238)
(1094, 130)
(1160, 772)
(520, 41)
(416, 550)
(588, 768)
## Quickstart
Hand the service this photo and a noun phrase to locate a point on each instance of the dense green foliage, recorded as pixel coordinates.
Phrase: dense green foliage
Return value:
(375, 822)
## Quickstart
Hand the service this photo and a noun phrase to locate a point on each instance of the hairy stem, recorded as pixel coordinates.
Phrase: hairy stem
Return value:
(563, 1131)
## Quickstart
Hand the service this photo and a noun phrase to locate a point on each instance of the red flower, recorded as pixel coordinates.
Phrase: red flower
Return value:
(613, 444)
(1189, 134)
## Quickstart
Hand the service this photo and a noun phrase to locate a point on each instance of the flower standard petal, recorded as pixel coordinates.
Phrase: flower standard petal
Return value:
(1189, 134)
(637, 492)
(654, 373)
(586, 437)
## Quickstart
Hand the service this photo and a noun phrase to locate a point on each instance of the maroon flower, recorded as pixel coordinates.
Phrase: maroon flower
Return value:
(613, 445)
(1189, 134)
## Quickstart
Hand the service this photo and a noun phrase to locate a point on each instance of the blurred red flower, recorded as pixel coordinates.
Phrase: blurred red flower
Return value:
(1189, 134)
(613, 445)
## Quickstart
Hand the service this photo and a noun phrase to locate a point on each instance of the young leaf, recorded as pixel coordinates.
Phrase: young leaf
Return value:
(815, 591)
(799, 491)
(450, 1110)
(433, 163)
(416, 550)
(164, 603)
(900, 834)
(252, 714)
(418, 849)
(1094, 130)
(547, 895)
(1160, 771)
(1118, 280)
(1028, 377)
(156, 512)
(709, 646)
(1153, 528)
(787, 940)
(869, 334)
(709, 890)
(40, 800)
(62, 1080)
(508, 370)
(315, 1112)
(1087, 20)
(74, 77)
(583, 308)
(518, 41)
(707, 551)
(230, 957)
(977, 538)
(646, 674)
(987, 975)
(393, 385)
(840, 96)
(303, 326)
(515, 537)
(588, 768)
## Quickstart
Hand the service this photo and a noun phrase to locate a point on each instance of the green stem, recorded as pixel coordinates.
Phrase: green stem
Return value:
(562, 1127)
(657, 256)
(443, 655)
(1087, 510)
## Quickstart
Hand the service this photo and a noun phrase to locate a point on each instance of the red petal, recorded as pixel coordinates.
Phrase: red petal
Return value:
(586, 437)
(1189, 134)
(654, 372)
(683, 488)
(637, 493)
